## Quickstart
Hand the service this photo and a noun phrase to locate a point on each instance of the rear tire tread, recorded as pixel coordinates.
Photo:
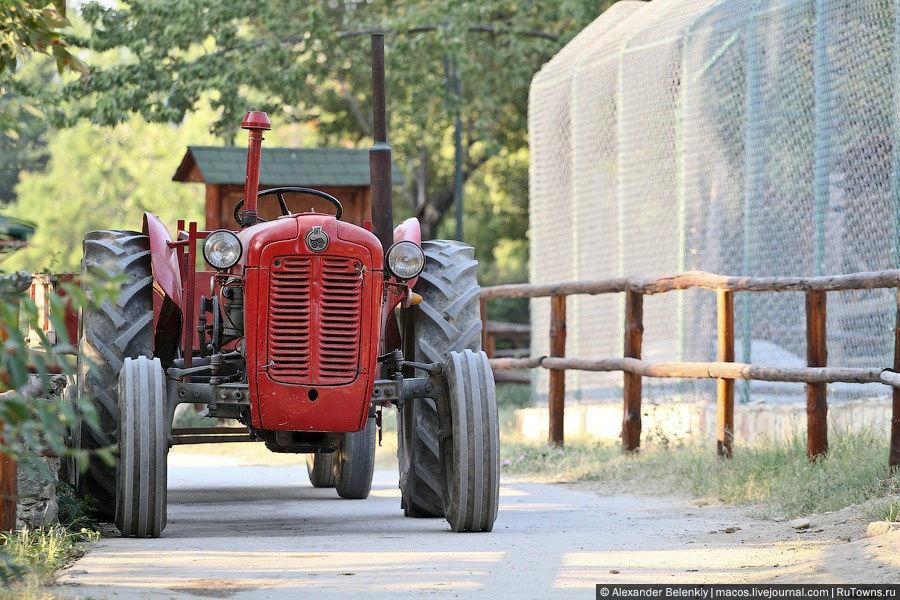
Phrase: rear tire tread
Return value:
(112, 332)
(447, 319)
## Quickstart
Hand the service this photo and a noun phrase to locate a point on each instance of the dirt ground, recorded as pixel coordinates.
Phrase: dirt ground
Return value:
(239, 530)
(833, 549)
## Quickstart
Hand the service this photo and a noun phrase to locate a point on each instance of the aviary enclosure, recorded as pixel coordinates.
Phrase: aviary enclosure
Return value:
(755, 138)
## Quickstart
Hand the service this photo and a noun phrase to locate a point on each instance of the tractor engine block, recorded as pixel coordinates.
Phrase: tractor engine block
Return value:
(312, 298)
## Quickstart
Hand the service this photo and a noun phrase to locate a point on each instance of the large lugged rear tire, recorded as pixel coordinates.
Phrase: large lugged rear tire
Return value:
(354, 463)
(448, 319)
(110, 333)
(320, 468)
(471, 453)
(143, 449)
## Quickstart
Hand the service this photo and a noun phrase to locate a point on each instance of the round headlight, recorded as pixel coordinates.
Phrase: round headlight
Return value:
(222, 249)
(405, 259)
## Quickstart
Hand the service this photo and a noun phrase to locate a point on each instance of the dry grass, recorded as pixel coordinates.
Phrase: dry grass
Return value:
(774, 475)
(32, 557)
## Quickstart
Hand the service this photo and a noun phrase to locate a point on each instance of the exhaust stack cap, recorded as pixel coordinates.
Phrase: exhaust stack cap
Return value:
(256, 119)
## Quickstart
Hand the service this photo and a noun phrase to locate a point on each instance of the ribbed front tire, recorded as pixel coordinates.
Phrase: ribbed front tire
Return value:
(143, 449)
(354, 463)
(320, 468)
(471, 453)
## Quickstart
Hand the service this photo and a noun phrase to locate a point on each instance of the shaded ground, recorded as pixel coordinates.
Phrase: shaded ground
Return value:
(238, 531)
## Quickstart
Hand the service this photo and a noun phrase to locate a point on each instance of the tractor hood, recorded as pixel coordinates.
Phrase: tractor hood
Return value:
(313, 292)
(311, 234)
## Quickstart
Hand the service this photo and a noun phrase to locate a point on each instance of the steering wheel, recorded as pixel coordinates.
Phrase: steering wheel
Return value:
(280, 191)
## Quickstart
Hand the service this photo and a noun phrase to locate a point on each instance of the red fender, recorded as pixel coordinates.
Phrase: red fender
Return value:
(167, 289)
(409, 230)
(163, 258)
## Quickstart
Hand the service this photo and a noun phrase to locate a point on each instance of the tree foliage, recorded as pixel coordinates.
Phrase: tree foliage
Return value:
(104, 178)
(301, 61)
(28, 26)
(34, 418)
(22, 125)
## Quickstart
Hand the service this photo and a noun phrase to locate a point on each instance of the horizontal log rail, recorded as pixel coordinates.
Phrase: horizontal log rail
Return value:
(509, 330)
(516, 332)
(705, 370)
(697, 279)
(725, 370)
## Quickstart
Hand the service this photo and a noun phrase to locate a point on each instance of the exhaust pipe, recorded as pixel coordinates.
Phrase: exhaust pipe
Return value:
(255, 123)
(380, 153)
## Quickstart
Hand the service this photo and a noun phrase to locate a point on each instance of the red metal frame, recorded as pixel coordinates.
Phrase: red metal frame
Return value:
(275, 405)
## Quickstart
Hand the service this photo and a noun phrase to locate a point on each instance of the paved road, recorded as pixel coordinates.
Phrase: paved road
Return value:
(264, 532)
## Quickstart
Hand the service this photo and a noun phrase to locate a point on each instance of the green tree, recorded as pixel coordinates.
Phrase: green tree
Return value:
(28, 27)
(23, 150)
(22, 143)
(104, 178)
(299, 62)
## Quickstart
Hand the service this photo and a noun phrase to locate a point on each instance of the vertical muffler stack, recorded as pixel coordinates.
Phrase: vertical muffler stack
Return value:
(380, 153)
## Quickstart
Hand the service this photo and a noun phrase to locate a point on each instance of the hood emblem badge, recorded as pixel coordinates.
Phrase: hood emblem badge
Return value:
(316, 239)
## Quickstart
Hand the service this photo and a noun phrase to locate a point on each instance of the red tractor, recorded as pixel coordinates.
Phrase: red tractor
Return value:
(301, 328)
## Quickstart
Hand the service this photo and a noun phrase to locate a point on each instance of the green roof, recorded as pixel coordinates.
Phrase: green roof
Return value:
(281, 166)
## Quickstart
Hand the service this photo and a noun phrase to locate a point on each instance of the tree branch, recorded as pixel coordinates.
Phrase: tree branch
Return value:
(535, 33)
(365, 125)
(432, 212)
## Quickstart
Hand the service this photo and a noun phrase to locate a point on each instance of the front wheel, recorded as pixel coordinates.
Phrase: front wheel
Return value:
(354, 463)
(143, 449)
(320, 468)
(471, 453)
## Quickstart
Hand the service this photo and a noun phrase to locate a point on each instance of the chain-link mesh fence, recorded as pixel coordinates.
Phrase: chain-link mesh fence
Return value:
(744, 137)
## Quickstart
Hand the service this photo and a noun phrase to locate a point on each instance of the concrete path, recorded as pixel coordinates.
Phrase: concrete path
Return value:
(263, 532)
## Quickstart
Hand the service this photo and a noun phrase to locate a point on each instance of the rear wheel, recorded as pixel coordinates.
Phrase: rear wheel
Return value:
(448, 319)
(143, 449)
(471, 453)
(120, 328)
(354, 463)
(320, 467)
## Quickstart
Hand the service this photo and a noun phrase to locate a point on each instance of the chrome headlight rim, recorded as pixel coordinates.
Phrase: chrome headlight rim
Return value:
(393, 254)
(214, 236)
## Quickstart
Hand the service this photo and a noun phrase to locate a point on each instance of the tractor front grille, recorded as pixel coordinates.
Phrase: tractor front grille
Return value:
(314, 320)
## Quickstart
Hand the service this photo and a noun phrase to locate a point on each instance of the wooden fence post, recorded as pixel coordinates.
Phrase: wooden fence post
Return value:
(482, 306)
(8, 491)
(487, 338)
(816, 356)
(634, 331)
(725, 387)
(9, 475)
(557, 400)
(894, 454)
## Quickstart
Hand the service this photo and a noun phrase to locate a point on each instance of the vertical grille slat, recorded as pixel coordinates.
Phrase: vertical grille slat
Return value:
(334, 339)
(289, 306)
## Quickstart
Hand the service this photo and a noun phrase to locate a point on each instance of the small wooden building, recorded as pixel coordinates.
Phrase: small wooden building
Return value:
(341, 172)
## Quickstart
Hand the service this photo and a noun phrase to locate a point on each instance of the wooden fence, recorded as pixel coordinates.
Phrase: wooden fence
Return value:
(515, 334)
(816, 375)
